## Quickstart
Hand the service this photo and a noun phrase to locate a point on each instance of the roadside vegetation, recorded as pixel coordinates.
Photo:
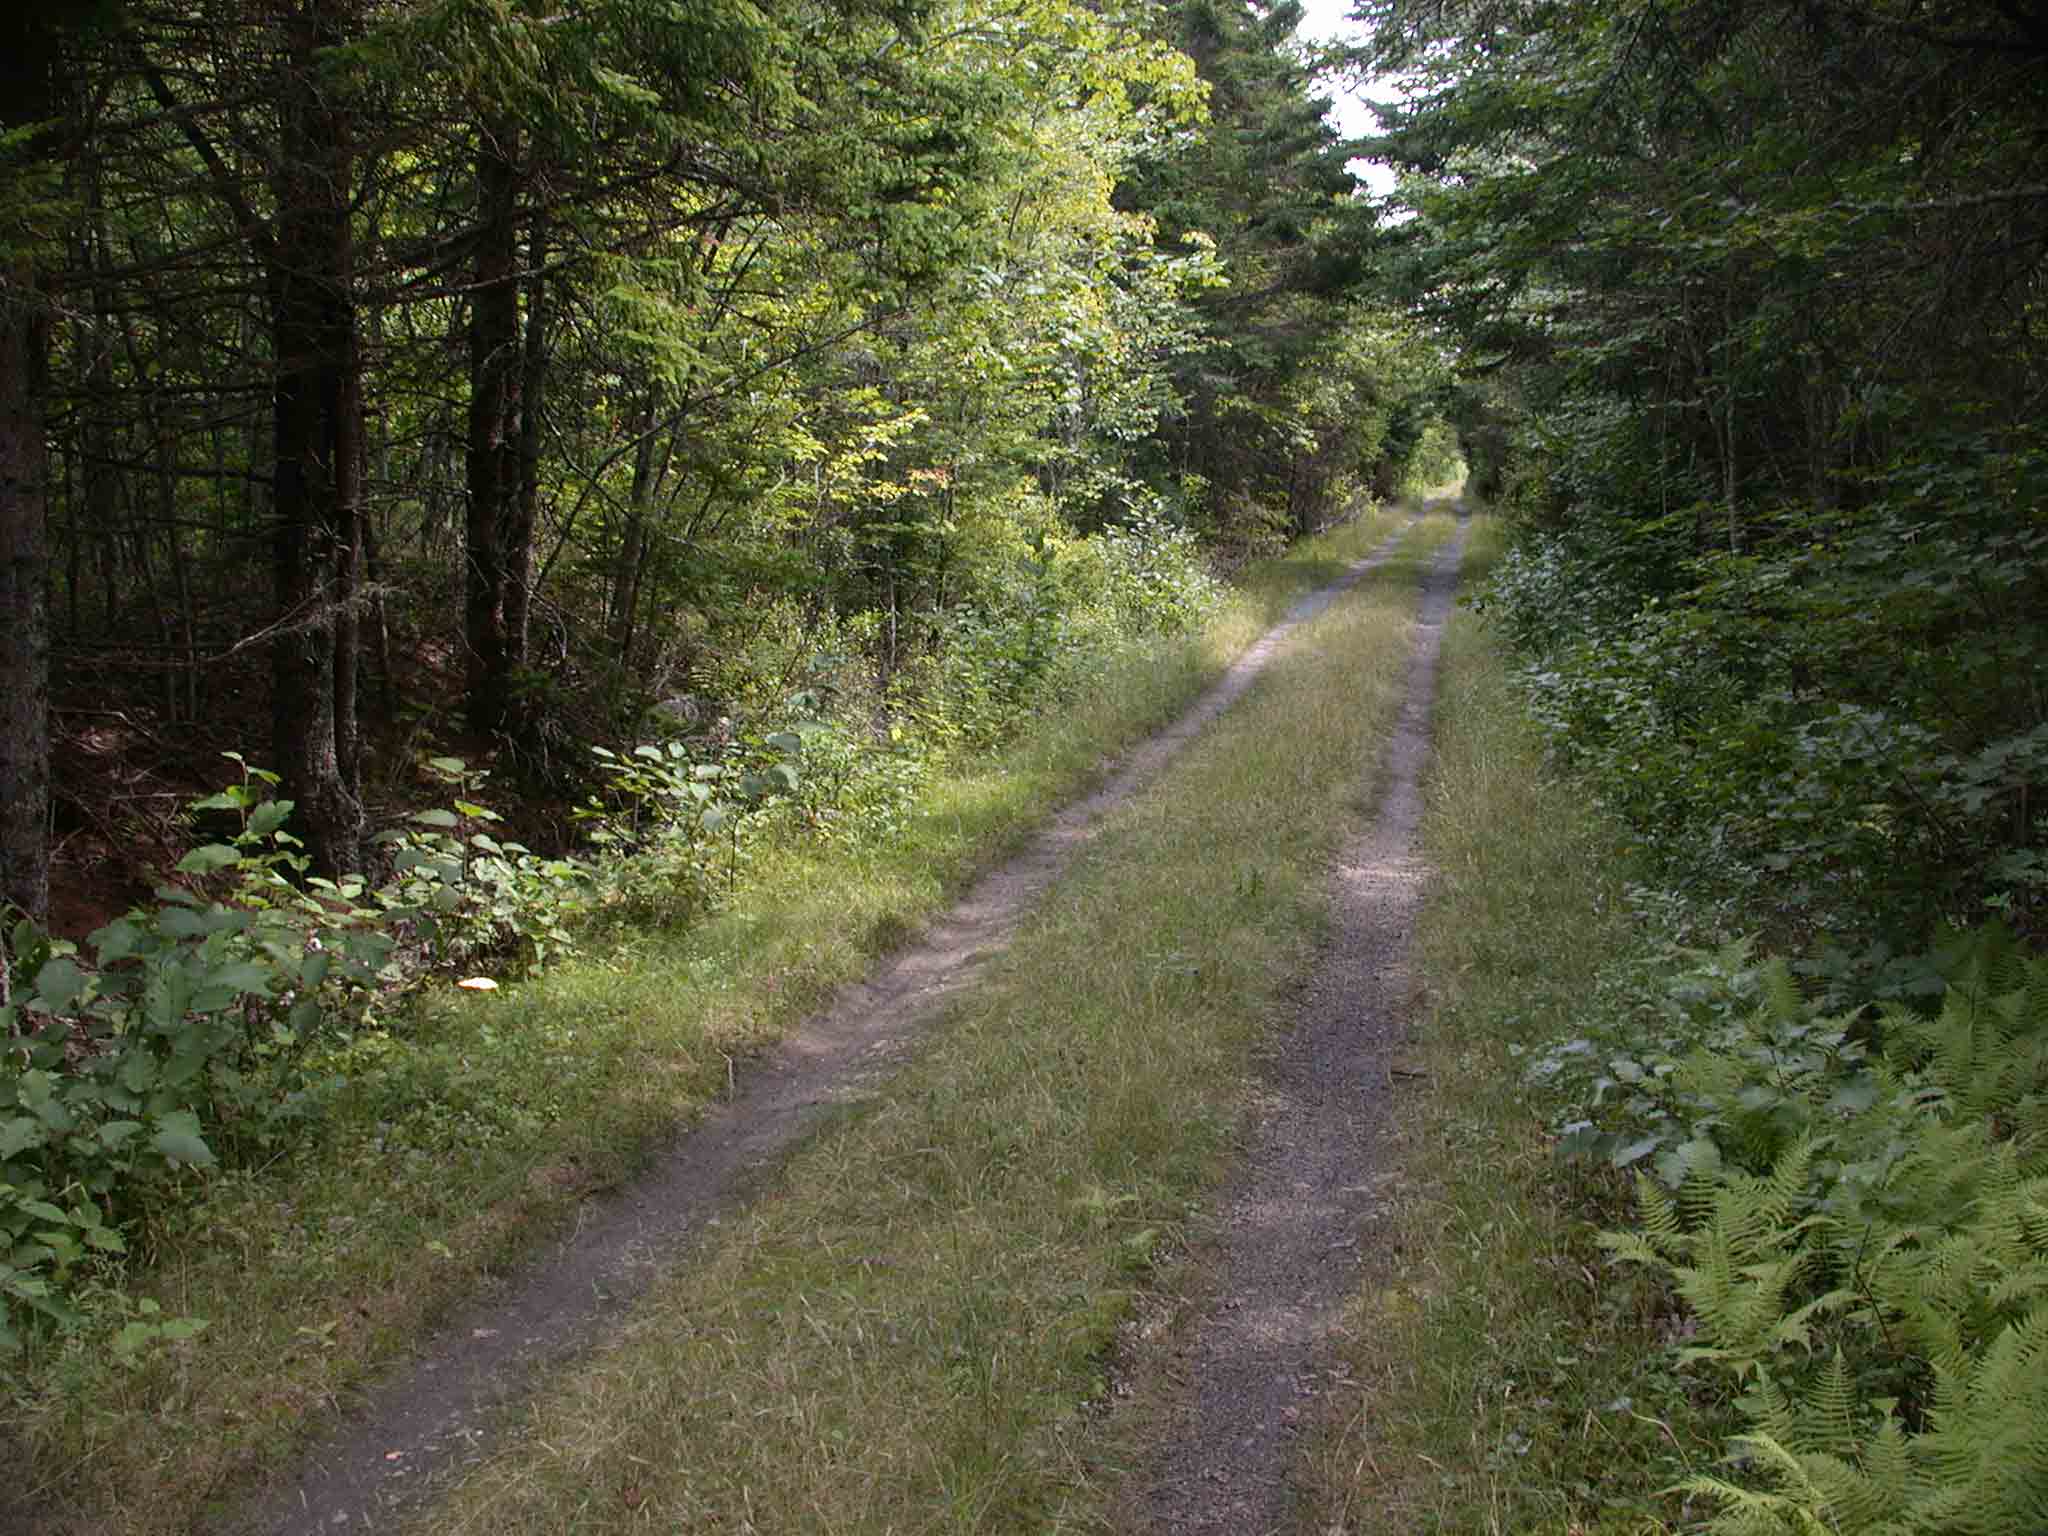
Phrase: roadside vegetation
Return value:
(1693, 1236)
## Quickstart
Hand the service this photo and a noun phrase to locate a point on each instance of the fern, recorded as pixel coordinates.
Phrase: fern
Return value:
(1879, 1282)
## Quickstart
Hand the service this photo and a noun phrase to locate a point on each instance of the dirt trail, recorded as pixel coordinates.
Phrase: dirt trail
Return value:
(1245, 1373)
(409, 1435)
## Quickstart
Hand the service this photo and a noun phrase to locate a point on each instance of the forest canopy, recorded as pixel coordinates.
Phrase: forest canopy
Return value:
(1753, 301)
(383, 374)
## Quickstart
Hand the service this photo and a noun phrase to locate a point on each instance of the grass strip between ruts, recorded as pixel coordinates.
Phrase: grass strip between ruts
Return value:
(907, 1332)
(473, 1125)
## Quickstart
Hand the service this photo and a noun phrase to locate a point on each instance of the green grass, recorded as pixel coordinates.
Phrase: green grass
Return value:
(472, 1124)
(911, 1331)
(1507, 1377)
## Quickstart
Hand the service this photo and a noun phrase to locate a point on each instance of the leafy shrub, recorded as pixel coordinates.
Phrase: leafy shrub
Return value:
(1845, 728)
(1157, 582)
(672, 825)
(464, 895)
(1065, 607)
(180, 1031)
(1860, 1230)
(200, 1029)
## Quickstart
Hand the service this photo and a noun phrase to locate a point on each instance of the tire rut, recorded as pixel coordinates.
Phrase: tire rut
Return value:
(411, 1434)
(1283, 1255)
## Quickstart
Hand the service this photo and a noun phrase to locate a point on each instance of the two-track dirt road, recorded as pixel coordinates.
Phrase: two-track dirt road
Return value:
(1282, 1246)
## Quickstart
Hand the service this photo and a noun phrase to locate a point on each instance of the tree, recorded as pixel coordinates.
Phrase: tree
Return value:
(1766, 284)
(27, 56)
(1267, 180)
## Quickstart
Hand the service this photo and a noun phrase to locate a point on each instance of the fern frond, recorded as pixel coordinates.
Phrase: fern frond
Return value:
(1782, 1001)
(1796, 1509)
(1658, 1212)
(1633, 1248)
(1831, 1410)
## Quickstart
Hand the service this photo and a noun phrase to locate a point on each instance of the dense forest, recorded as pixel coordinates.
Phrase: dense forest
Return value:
(380, 376)
(1753, 308)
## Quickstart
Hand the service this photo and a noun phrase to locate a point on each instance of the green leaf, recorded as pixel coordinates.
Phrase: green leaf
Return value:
(207, 858)
(786, 741)
(1855, 1095)
(116, 941)
(436, 818)
(243, 976)
(19, 1135)
(116, 1134)
(59, 984)
(1636, 1151)
(178, 1139)
(180, 923)
(268, 817)
(448, 765)
(37, 1094)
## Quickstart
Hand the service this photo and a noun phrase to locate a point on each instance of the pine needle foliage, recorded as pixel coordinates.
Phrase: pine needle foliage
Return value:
(1861, 1237)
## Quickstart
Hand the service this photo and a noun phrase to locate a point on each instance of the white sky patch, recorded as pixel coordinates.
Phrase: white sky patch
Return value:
(1330, 21)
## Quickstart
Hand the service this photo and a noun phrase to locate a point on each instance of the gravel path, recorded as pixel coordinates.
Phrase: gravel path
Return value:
(407, 1436)
(1284, 1255)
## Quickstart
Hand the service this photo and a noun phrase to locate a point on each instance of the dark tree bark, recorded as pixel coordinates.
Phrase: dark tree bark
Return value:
(26, 49)
(632, 557)
(318, 430)
(493, 627)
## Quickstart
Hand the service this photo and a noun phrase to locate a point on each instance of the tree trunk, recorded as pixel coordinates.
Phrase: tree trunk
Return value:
(25, 98)
(317, 408)
(632, 558)
(24, 615)
(523, 512)
(494, 440)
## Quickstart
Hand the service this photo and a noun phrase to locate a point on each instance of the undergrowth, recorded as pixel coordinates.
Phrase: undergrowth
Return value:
(1823, 1305)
